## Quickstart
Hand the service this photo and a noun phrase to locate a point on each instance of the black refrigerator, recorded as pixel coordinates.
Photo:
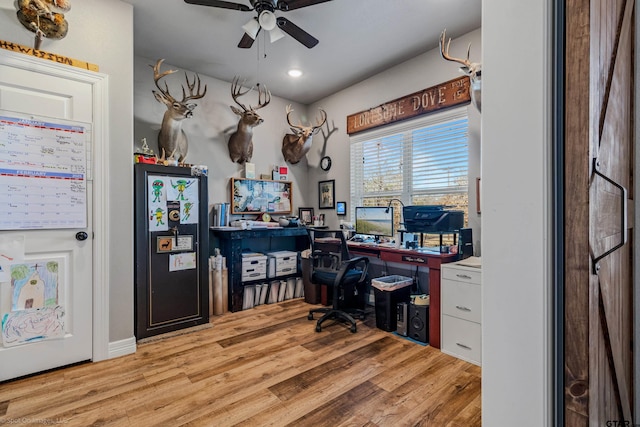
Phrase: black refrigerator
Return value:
(171, 249)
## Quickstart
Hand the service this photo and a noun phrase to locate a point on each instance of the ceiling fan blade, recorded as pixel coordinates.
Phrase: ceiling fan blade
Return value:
(297, 4)
(296, 32)
(220, 3)
(246, 41)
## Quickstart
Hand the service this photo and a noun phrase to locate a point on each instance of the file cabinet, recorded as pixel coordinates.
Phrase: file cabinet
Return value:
(461, 311)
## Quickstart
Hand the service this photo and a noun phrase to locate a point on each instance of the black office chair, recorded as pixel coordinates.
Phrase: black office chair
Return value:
(344, 276)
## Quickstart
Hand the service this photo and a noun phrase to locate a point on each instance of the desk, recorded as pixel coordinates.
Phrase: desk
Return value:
(431, 260)
(232, 242)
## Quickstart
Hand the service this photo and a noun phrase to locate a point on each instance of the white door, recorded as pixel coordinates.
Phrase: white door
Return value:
(52, 283)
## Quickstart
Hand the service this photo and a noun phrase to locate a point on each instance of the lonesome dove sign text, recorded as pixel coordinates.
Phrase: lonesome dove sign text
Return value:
(446, 95)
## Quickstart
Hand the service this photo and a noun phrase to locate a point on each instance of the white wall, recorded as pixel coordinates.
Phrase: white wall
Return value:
(421, 72)
(208, 130)
(95, 37)
(516, 202)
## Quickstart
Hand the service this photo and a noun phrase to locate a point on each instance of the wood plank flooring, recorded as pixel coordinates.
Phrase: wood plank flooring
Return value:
(260, 367)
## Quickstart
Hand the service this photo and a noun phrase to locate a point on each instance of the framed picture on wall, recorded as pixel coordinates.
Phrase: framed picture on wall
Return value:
(260, 195)
(327, 194)
(305, 215)
(341, 208)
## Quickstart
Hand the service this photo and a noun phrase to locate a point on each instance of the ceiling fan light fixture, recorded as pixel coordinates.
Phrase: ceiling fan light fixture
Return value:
(267, 20)
(275, 34)
(294, 72)
(251, 28)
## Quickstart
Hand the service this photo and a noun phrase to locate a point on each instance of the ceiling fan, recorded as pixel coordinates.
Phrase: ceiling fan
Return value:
(267, 20)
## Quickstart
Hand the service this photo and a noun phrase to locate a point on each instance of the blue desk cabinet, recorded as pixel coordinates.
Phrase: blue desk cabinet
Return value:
(232, 242)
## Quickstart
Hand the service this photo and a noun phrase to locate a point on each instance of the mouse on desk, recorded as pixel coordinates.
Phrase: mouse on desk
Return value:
(357, 239)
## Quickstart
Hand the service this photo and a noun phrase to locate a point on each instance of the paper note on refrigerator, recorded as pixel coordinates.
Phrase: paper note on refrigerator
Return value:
(183, 261)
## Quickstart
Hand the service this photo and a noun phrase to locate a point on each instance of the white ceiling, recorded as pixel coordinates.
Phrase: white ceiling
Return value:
(358, 39)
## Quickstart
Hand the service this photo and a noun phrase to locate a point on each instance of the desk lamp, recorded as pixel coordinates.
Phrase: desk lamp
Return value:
(401, 222)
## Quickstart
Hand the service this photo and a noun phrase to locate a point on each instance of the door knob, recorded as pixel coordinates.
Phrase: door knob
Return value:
(81, 235)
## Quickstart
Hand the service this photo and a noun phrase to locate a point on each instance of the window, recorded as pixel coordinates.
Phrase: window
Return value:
(420, 162)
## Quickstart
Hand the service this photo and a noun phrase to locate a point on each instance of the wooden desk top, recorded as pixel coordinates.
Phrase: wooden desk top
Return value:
(429, 259)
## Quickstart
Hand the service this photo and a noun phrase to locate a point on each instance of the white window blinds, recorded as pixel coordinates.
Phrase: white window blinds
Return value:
(418, 161)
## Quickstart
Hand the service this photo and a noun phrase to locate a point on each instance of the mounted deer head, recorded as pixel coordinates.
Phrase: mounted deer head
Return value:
(471, 69)
(241, 141)
(295, 146)
(172, 140)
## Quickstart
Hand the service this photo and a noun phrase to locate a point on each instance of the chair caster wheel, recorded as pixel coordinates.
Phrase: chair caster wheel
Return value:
(354, 329)
(318, 328)
(310, 317)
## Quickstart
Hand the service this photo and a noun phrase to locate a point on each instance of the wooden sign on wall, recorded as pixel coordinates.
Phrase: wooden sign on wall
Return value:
(15, 47)
(446, 95)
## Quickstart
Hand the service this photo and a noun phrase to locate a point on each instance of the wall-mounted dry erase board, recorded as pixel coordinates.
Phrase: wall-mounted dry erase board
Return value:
(43, 172)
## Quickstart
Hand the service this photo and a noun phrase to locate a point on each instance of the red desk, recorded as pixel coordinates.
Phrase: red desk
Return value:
(431, 260)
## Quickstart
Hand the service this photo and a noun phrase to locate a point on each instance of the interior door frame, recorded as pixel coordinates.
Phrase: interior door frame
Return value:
(558, 124)
(636, 243)
(99, 165)
(559, 49)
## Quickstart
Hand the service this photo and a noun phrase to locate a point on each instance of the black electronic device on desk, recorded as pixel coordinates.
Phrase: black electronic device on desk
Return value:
(432, 219)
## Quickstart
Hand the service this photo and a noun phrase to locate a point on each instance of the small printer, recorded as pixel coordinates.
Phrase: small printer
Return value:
(432, 219)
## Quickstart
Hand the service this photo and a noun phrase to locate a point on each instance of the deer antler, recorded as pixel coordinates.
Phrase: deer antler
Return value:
(262, 93)
(289, 111)
(264, 96)
(191, 86)
(236, 91)
(445, 51)
(157, 76)
(319, 121)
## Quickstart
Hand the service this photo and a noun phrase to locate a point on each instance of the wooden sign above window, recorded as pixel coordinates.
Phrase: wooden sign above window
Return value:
(446, 95)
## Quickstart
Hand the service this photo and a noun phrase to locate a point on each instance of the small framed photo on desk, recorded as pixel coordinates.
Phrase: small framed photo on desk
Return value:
(305, 215)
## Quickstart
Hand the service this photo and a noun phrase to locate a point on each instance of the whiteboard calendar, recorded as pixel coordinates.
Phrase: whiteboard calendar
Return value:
(43, 174)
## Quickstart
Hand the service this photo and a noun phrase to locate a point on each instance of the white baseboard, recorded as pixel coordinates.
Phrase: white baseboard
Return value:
(122, 347)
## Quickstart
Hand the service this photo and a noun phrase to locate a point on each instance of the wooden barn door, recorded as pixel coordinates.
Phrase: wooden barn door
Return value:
(599, 158)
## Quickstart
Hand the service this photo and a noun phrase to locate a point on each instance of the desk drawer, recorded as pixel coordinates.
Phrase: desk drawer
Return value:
(467, 275)
(461, 300)
(411, 257)
(462, 339)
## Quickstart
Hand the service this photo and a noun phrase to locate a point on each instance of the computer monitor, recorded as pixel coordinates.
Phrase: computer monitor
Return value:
(374, 221)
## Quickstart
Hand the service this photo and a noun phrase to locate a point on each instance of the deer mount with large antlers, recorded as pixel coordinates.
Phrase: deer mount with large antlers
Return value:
(172, 140)
(241, 141)
(471, 69)
(295, 146)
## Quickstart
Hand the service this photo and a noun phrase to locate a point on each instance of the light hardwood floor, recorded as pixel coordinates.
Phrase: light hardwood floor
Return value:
(260, 367)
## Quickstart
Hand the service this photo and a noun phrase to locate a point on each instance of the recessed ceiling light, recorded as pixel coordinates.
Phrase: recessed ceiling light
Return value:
(294, 73)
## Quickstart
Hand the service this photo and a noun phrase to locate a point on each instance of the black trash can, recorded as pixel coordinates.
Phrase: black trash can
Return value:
(311, 290)
(387, 306)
